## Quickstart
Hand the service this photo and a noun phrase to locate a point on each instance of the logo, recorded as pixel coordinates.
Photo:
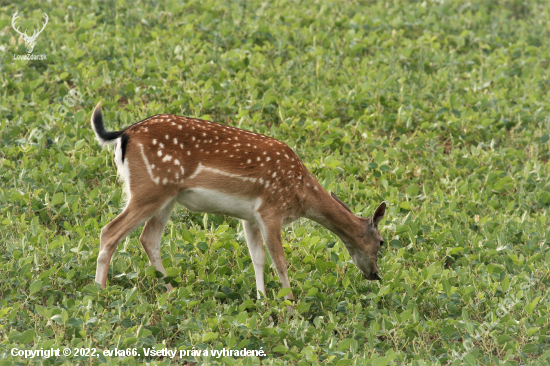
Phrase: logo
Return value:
(30, 41)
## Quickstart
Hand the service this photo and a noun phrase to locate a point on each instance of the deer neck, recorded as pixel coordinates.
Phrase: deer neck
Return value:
(323, 209)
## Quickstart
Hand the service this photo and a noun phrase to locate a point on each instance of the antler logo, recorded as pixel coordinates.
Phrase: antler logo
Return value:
(30, 41)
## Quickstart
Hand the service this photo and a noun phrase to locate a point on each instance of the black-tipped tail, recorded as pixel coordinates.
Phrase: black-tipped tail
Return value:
(103, 136)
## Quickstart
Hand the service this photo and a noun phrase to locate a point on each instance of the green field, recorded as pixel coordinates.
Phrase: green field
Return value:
(439, 108)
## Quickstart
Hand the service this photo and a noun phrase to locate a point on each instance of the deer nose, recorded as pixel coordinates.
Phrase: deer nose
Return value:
(373, 276)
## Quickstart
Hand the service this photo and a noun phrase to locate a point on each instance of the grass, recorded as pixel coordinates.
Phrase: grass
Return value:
(440, 108)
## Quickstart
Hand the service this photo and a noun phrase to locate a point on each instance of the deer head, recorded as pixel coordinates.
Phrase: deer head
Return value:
(30, 41)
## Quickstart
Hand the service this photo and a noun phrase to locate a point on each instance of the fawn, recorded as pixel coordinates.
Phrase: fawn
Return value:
(209, 167)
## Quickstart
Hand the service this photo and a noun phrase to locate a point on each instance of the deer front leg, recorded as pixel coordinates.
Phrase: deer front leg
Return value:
(271, 231)
(257, 254)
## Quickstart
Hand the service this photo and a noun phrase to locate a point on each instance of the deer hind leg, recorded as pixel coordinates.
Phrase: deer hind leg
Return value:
(135, 214)
(255, 243)
(271, 232)
(151, 235)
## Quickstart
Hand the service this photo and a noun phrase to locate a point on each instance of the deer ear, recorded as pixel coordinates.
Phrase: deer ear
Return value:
(340, 202)
(379, 214)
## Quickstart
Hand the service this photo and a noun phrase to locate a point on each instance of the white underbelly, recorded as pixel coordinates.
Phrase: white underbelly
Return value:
(215, 202)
